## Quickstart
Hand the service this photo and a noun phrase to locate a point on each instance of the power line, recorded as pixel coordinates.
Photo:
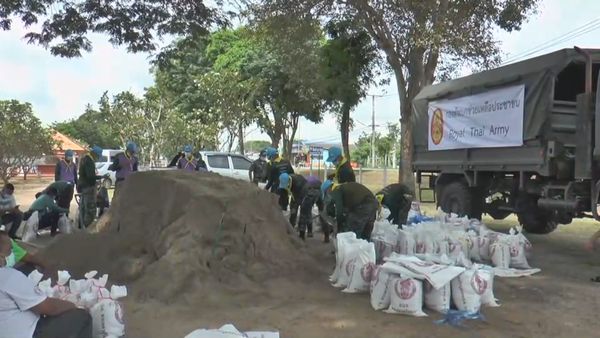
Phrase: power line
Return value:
(577, 32)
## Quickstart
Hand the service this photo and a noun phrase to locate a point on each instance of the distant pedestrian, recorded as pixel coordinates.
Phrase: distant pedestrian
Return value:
(258, 169)
(66, 170)
(9, 210)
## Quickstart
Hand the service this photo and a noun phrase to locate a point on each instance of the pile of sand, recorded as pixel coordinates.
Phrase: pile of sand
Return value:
(173, 234)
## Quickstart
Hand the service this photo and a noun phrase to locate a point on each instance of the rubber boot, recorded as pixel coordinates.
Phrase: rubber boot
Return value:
(303, 235)
(310, 233)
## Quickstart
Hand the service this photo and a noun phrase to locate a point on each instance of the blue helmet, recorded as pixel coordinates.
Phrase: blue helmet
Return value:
(284, 181)
(272, 153)
(187, 148)
(131, 147)
(97, 150)
(69, 153)
(334, 154)
(325, 186)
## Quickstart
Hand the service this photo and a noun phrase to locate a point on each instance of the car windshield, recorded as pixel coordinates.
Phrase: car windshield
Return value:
(240, 163)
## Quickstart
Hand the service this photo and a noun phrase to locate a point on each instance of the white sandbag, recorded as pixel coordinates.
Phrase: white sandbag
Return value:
(406, 297)
(443, 247)
(36, 276)
(341, 240)
(61, 289)
(425, 243)
(488, 298)
(65, 226)
(349, 253)
(76, 289)
(484, 248)
(381, 288)
(45, 287)
(515, 272)
(524, 241)
(500, 253)
(31, 227)
(362, 268)
(437, 299)
(226, 331)
(107, 319)
(438, 275)
(384, 213)
(474, 246)
(517, 248)
(406, 244)
(468, 289)
(95, 293)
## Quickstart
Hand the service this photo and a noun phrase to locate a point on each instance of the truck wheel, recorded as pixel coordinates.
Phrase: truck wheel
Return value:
(456, 198)
(494, 209)
(534, 219)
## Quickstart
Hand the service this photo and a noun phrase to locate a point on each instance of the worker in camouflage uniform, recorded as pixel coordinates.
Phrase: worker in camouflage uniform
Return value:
(277, 166)
(258, 169)
(87, 185)
(397, 198)
(343, 170)
(354, 207)
(304, 193)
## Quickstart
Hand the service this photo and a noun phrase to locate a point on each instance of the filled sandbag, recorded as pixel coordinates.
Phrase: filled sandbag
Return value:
(406, 297)
(437, 299)
(468, 289)
(362, 269)
(381, 288)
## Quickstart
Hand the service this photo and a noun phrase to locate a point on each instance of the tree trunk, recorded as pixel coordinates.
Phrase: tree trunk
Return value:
(345, 130)
(241, 138)
(406, 172)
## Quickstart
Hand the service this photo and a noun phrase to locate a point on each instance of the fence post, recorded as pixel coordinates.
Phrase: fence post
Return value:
(385, 175)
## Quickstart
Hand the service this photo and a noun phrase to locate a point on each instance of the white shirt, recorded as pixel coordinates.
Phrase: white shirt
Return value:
(18, 294)
(7, 202)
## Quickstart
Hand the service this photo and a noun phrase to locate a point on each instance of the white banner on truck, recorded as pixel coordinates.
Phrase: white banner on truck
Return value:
(487, 120)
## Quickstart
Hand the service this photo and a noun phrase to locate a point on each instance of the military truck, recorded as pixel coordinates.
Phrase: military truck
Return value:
(523, 138)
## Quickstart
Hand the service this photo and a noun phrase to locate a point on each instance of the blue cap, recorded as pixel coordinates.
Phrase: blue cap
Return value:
(187, 148)
(97, 150)
(325, 186)
(334, 154)
(272, 152)
(284, 181)
(69, 153)
(131, 147)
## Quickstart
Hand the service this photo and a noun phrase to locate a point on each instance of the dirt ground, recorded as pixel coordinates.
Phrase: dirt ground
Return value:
(561, 301)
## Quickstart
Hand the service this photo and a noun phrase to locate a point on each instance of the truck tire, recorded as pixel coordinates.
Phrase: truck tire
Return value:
(456, 198)
(494, 209)
(534, 219)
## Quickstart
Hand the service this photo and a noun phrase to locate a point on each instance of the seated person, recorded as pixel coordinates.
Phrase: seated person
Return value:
(9, 210)
(48, 211)
(27, 313)
(64, 193)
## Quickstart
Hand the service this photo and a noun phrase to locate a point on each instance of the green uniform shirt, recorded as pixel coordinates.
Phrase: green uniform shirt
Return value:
(60, 186)
(18, 251)
(46, 203)
(348, 196)
(344, 172)
(87, 172)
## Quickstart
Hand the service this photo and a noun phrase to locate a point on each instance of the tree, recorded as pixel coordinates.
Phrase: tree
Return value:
(23, 139)
(256, 145)
(92, 128)
(417, 37)
(65, 24)
(348, 61)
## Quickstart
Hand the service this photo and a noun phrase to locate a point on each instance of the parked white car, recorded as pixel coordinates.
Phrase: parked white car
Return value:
(226, 164)
(102, 166)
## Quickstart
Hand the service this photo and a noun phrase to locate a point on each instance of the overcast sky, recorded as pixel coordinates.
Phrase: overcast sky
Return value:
(60, 88)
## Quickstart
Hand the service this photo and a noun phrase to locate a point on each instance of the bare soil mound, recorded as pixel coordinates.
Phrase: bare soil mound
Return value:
(174, 235)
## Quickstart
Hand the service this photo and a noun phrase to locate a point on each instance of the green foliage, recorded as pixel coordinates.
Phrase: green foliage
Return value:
(23, 139)
(65, 25)
(256, 145)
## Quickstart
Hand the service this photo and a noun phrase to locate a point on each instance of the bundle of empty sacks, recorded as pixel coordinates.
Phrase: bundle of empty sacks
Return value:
(434, 264)
(92, 294)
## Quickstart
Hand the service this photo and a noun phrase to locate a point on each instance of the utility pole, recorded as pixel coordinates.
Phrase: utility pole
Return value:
(373, 129)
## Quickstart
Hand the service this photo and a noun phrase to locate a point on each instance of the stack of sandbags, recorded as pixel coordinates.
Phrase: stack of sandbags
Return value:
(91, 294)
(355, 262)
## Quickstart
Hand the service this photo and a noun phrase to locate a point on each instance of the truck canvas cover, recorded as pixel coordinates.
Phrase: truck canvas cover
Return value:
(537, 75)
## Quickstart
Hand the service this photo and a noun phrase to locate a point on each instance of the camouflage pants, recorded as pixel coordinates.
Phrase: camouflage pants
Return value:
(88, 206)
(306, 219)
(361, 219)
